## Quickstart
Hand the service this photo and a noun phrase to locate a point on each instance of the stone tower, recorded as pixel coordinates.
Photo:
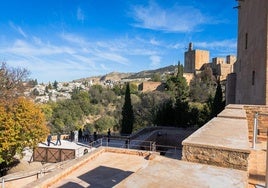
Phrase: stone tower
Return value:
(194, 59)
(251, 69)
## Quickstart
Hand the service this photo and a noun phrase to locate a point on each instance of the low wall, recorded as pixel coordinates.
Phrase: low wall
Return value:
(223, 141)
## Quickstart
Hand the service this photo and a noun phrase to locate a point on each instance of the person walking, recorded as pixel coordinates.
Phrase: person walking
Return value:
(58, 139)
(109, 134)
(76, 136)
(95, 137)
(49, 137)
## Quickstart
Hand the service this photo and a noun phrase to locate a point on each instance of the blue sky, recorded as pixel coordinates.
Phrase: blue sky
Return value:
(64, 40)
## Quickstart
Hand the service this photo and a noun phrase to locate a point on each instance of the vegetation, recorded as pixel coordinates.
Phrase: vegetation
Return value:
(100, 108)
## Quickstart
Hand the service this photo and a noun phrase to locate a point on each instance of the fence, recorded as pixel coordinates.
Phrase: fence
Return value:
(52, 155)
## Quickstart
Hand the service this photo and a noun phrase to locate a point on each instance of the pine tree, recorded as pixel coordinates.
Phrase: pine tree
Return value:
(127, 114)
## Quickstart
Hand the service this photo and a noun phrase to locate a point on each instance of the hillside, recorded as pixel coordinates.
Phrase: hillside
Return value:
(117, 76)
(149, 73)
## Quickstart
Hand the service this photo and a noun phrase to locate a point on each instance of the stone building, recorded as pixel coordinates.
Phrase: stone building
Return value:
(148, 86)
(250, 78)
(195, 59)
(223, 66)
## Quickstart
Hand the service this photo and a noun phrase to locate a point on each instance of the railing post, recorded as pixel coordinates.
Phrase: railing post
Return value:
(153, 146)
(3, 183)
(107, 143)
(255, 130)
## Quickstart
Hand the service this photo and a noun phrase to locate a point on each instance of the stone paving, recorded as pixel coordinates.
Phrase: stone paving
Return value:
(106, 170)
(125, 170)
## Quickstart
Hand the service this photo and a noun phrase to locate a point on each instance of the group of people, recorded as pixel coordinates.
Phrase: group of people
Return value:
(49, 139)
(78, 136)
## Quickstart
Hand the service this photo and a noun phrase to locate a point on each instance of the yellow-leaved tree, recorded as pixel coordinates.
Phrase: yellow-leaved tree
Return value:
(22, 125)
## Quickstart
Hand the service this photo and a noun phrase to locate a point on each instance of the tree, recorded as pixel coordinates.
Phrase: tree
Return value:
(177, 85)
(165, 115)
(22, 125)
(12, 82)
(127, 113)
(218, 103)
(156, 77)
(176, 111)
(67, 116)
(147, 109)
(202, 86)
(104, 123)
(55, 84)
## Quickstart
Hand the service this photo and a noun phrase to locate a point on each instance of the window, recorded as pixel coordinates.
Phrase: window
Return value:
(253, 78)
(246, 41)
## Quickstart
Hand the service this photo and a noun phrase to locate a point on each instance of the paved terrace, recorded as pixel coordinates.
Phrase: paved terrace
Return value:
(113, 167)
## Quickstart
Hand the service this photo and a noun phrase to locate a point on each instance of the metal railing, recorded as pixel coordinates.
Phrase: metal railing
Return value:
(135, 144)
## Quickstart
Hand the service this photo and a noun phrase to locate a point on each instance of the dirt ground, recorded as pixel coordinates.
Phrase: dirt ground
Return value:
(25, 166)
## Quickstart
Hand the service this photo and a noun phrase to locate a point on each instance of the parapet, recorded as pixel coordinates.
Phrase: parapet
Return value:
(222, 142)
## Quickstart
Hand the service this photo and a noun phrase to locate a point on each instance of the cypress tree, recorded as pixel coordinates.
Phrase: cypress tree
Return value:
(218, 103)
(127, 114)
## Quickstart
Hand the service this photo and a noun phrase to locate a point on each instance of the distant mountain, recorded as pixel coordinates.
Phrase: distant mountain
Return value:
(117, 76)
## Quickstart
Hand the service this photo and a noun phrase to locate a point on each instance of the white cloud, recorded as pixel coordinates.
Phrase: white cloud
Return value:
(174, 19)
(18, 29)
(72, 38)
(26, 48)
(80, 15)
(154, 42)
(217, 44)
(113, 57)
(155, 61)
(104, 67)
